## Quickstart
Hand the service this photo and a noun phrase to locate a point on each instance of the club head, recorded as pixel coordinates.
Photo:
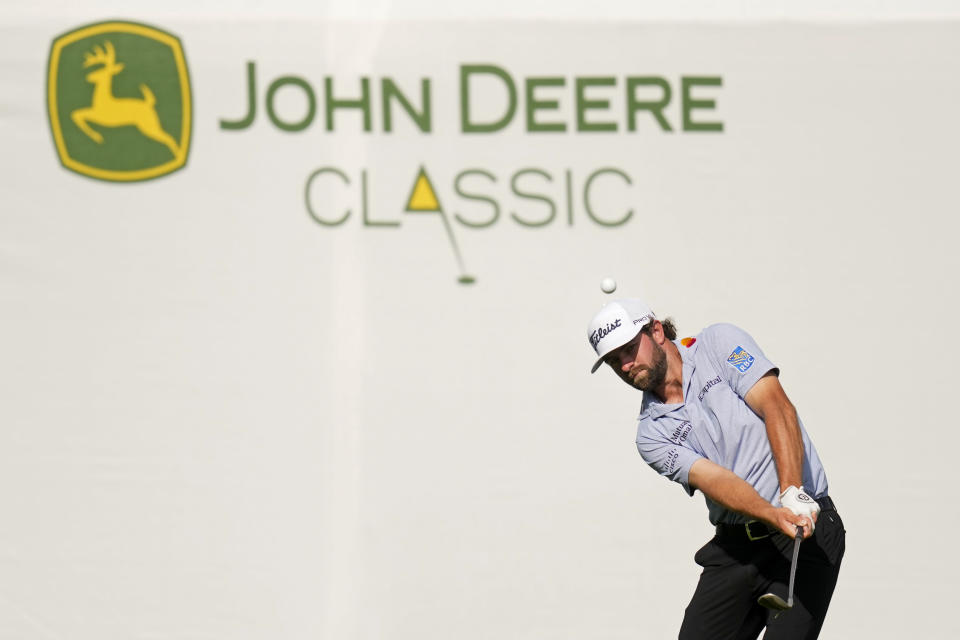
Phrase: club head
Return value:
(774, 602)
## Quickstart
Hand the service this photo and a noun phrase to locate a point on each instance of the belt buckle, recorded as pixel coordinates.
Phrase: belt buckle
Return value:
(750, 536)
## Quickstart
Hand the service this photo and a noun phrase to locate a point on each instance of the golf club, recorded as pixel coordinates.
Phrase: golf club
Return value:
(771, 600)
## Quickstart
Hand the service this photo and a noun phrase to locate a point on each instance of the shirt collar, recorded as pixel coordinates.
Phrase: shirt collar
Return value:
(687, 354)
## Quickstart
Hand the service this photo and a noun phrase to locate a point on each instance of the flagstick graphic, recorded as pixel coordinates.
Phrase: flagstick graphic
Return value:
(423, 199)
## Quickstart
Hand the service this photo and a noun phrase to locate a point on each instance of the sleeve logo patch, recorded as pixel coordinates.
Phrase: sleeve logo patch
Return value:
(740, 360)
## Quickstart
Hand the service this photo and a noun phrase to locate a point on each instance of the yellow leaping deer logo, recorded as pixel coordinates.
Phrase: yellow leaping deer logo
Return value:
(102, 125)
(107, 110)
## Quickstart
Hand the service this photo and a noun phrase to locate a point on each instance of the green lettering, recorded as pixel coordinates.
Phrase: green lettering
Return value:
(367, 222)
(532, 104)
(477, 197)
(466, 125)
(251, 101)
(363, 102)
(293, 81)
(655, 107)
(586, 197)
(532, 196)
(391, 92)
(689, 104)
(306, 193)
(583, 104)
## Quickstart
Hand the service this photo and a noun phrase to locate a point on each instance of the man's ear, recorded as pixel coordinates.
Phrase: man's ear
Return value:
(656, 332)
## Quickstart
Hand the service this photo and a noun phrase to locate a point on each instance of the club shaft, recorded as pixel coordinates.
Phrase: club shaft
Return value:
(793, 564)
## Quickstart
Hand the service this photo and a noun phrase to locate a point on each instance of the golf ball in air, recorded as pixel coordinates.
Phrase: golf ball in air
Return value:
(608, 285)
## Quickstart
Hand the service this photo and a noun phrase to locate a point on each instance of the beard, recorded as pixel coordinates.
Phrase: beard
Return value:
(649, 378)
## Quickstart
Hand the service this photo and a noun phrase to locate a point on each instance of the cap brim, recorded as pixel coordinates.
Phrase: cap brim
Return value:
(596, 365)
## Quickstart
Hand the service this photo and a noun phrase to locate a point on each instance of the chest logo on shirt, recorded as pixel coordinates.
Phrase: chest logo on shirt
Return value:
(740, 359)
(681, 432)
(707, 386)
(688, 342)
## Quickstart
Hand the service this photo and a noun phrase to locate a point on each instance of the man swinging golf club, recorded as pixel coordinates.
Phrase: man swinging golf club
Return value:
(714, 417)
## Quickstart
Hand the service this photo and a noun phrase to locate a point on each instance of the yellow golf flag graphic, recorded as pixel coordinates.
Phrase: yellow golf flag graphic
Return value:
(424, 199)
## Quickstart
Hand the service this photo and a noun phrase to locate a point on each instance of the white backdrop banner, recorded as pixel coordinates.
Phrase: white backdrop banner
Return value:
(295, 315)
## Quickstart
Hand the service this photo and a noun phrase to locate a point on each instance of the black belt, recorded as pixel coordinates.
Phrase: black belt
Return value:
(756, 530)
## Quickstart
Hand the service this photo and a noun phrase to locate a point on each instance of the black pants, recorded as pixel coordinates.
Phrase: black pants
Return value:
(738, 571)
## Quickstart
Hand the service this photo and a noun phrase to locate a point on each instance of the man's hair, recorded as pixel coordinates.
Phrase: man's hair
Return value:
(669, 329)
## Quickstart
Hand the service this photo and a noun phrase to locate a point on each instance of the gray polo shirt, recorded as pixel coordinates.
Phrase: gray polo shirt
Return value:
(720, 365)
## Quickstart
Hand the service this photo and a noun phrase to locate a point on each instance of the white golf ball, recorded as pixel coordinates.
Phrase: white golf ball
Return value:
(608, 285)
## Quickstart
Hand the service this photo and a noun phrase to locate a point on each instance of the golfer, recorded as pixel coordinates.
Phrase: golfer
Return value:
(715, 418)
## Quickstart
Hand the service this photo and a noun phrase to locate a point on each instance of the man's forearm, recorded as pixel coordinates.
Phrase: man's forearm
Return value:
(731, 491)
(783, 431)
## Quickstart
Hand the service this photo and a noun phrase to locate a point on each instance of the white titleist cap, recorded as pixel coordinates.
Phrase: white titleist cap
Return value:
(616, 324)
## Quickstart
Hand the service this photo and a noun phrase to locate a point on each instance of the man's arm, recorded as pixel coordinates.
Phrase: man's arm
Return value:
(769, 401)
(733, 492)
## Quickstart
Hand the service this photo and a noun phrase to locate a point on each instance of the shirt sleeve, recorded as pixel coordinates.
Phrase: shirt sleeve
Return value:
(669, 459)
(737, 356)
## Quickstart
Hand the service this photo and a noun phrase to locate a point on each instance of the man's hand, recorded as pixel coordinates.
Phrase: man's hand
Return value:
(803, 507)
(787, 522)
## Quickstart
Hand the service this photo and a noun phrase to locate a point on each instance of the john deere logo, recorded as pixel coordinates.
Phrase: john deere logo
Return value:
(119, 101)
